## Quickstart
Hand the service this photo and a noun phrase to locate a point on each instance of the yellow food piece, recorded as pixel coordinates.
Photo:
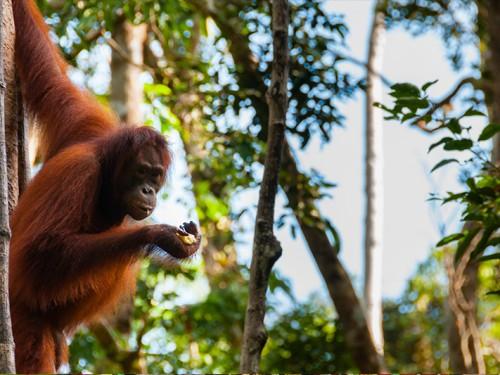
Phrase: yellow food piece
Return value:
(188, 240)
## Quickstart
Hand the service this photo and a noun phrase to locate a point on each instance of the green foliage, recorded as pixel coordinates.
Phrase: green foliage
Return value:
(481, 199)
(416, 324)
(306, 340)
(317, 81)
(489, 131)
(205, 336)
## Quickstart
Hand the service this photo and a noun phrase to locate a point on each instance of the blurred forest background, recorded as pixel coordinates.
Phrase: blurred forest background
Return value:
(198, 71)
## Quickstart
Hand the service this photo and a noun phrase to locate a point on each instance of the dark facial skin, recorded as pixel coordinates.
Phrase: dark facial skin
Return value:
(143, 179)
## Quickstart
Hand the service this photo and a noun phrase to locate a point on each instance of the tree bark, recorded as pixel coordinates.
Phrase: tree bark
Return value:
(127, 91)
(24, 165)
(11, 110)
(374, 188)
(266, 248)
(349, 309)
(492, 14)
(467, 358)
(463, 332)
(7, 364)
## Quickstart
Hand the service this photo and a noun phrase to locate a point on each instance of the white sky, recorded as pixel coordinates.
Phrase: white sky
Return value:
(410, 227)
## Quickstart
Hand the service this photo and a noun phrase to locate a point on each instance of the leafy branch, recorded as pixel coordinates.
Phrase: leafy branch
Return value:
(481, 199)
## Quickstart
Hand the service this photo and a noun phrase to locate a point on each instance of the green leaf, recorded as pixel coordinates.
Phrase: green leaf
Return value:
(454, 126)
(495, 241)
(428, 84)
(471, 183)
(473, 112)
(408, 116)
(489, 131)
(440, 142)
(405, 89)
(486, 258)
(465, 242)
(443, 163)
(157, 89)
(450, 238)
(458, 145)
(413, 103)
(454, 197)
(493, 293)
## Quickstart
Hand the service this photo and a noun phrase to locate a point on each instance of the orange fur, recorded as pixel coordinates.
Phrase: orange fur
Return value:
(72, 257)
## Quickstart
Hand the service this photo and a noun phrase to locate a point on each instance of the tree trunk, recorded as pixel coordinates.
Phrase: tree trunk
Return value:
(348, 306)
(463, 331)
(492, 62)
(11, 111)
(126, 95)
(7, 364)
(465, 357)
(374, 188)
(266, 248)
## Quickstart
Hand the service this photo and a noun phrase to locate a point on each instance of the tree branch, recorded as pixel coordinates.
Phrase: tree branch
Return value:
(420, 122)
(266, 248)
(386, 81)
(116, 47)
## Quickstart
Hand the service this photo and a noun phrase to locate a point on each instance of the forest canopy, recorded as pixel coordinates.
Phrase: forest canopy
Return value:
(387, 209)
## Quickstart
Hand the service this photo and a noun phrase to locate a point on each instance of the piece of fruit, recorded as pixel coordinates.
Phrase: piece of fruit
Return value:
(187, 239)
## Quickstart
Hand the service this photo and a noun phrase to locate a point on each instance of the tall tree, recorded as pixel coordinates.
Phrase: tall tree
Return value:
(459, 25)
(374, 187)
(126, 96)
(464, 336)
(7, 364)
(304, 206)
(266, 248)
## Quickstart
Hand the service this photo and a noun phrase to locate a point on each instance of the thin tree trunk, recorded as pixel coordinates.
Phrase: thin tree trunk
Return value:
(374, 188)
(350, 312)
(7, 364)
(266, 248)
